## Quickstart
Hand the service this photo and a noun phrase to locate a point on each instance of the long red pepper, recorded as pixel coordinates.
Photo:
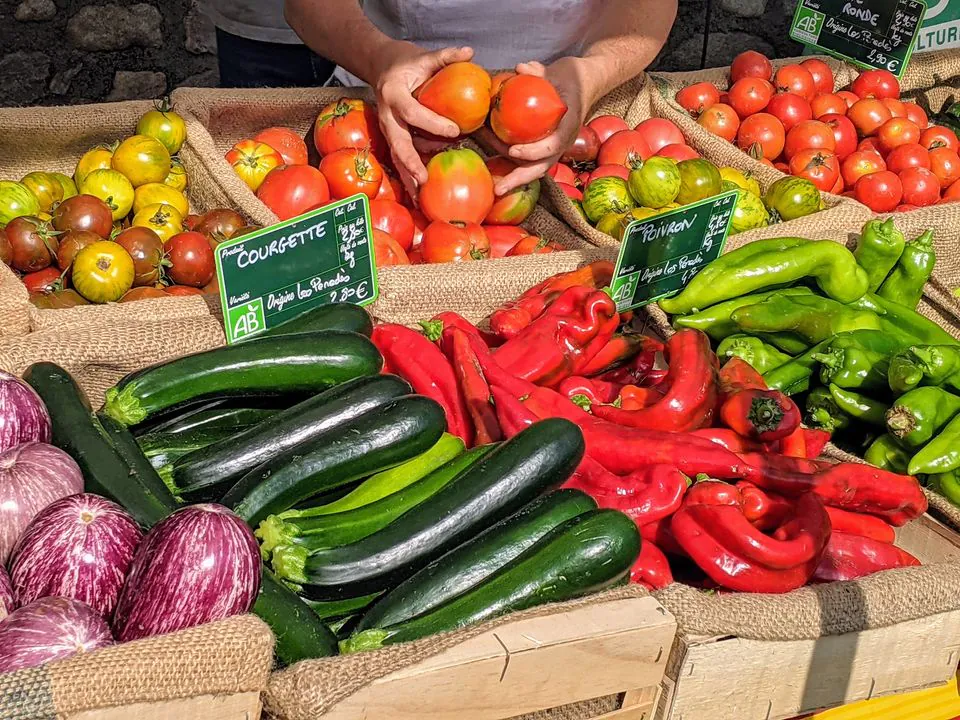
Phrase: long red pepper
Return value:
(848, 557)
(476, 391)
(814, 440)
(584, 391)
(795, 445)
(434, 327)
(651, 569)
(632, 397)
(512, 415)
(727, 438)
(764, 415)
(858, 524)
(661, 534)
(618, 350)
(646, 495)
(764, 510)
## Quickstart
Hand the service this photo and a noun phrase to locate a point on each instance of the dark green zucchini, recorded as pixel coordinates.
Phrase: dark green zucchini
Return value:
(535, 460)
(473, 562)
(386, 436)
(302, 532)
(164, 448)
(338, 316)
(336, 609)
(205, 474)
(584, 554)
(301, 635)
(307, 362)
(203, 418)
(77, 432)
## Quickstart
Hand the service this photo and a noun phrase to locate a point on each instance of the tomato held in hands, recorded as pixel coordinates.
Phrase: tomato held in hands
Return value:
(810, 134)
(790, 109)
(881, 191)
(750, 64)
(502, 238)
(761, 131)
(191, 259)
(820, 167)
(454, 242)
(868, 116)
(945, 164)
(876, 84)
(146, 250)
(844, 134)
(394, 219)
(518, 204)
(920, 187)
(84, 212)
(71, 243)
(606, 125)
(624, 148)
(722, 120)
(102, 272)
(908, 156)
(858, 164)
(526, 109)
(387, 251)
(750, 95)
(142, 159)
(291, 190)
(286, 142)
(697, 98)
(896, 132)
(795, 79)
(459, 187)
(33, 243)
(349, 172)
(584, 148)
(821, 73)
(252, 160)
(459, 92)
(348, 123)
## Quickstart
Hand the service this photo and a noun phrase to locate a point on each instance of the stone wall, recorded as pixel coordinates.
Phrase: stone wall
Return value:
(56, 52)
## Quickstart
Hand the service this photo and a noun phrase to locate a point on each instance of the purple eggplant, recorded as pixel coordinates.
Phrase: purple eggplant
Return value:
(32, 476)
(52, 628)
(199, 564)
(7, 603)
(23, 416)
(78, 547)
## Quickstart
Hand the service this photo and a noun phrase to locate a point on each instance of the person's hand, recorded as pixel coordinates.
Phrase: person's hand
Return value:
(399, 111)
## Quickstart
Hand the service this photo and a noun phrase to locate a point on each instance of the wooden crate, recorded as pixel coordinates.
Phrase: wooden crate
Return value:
(529, 665)
(241, 706)
(730, 678)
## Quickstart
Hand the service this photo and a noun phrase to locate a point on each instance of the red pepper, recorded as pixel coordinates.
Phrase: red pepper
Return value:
(849, 557)
(765, 511)
(660, 533)
(867, 526)
(691, 400)
(476, 391)
(764, 415)
(549, 349)
(596, 346)
(727, 438)
(512, 415)
(737, 374)
(632, 397)
(418, 361)
(584, 391)
(590, 474)
(646, 495)
(618, 350)
(651, 569)
(814, 441)
(795, 444)
(434, 327)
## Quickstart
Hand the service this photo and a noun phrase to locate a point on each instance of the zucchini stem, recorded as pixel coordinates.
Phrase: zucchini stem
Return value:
(372, 639)
(124, 406)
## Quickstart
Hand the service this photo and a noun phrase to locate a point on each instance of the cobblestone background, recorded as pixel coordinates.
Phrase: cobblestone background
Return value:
(55, 52)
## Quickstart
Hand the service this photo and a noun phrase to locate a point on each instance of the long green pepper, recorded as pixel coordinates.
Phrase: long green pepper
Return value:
(920, 414)
(878, 250)
(905, 283)
(940, 455)
(903, 322)
(904, 374)
(885, 452)
(858, 360)
(859, 407)
(715, 321)
(813, 318)
(948, 485)
(824, 412)
(794, 377)
(752, 350)
(940, 364)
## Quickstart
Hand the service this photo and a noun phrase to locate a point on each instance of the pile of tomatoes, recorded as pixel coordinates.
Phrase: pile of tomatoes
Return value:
(863, 142)
(456, 216)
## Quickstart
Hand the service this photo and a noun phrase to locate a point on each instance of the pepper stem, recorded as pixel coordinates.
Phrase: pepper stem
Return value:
(765, 414)
(901, 421)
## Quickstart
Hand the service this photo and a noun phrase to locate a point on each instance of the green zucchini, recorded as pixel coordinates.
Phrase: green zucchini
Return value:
(126, 446)
(336, 609)
(473, 562)
(307, 362)
(205, 474)
(77, 432)
(306, 532)
(538, 458)
(384, 437)
(338, 316)
(300, 634)
(203, 418)
(164, 448)
(582, 555)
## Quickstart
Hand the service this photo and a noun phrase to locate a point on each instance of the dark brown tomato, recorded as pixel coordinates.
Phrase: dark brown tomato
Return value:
(146, 249)
(58, 300)
(141, 293)
(222, 221)
(84, 212)
(6, 251)
(33, 243)
(71, 243)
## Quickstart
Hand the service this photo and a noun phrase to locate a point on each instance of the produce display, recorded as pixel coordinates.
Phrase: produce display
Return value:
(119, 230)
(863, 141)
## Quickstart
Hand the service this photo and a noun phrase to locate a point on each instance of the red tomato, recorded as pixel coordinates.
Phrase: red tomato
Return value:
(818, 166)
(293, 189)
(871, 144)
(623, 148)
(191, 259)
(502, 238)
(571, 191)
(917, 115)
(868, 115)
(844, 133)
(876, 84)
(920, 187)
(532, 245)
(809, 134)
(896, 108)
(585, 147)
(391, 189)
(454, 242)
(351, 171)
(782, 167)
(527, 109)
(848, 97)
(750, 95)
(908, 156)
(752, 64)
(181, 290)
(620, 171)
(828, 104)
(678, 152)
(858, 164)
(821, 73)
(420, 222)
(46, 280)
(562, 173)
(881, 191)
(459, 92)
(348, 123)
(285, 141)
(606, 125)
(394, 219)
(952, 194)
(518, 204)
(722, 120)
(838, 186)
(698, 97)
(789, 109)
(658, 133)
(84, 212)
(252, 161)
(933, 137)
(896, 132)
(459, 187)
(387, 251)
(945, 164)
(795, 79)
(763, 131)
(906, 208)
(582, 177)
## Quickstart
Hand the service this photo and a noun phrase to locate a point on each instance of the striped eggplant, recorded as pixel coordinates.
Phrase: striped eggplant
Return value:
(7, 603)
(199, 564)
(23, 416)
(32, 476)
(78, 547)
(52, 628)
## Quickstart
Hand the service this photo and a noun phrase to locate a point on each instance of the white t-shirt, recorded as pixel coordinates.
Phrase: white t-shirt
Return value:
(502, 33)
(253, 19)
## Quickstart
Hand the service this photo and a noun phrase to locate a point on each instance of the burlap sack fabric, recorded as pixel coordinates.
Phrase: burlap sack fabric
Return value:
(926, 70)
(221, 658)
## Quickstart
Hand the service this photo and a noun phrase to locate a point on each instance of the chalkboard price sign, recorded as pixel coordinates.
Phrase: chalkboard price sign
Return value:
(321, 257)
(869, 33)
(660, 255)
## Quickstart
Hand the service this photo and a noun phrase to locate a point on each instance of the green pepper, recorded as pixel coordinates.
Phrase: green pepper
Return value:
(940, 364)
(858, 360)
(920, 414)
(756, 352)
(941, 454)
(878, 250)
(904, 374)
(794, 376)
(904, 322)
(859, 407)
(824, 412)
(787, 342)
(715, 321)
(948, 485)
(886, 454)
(905, 283)
(747, 270)
(813, 318)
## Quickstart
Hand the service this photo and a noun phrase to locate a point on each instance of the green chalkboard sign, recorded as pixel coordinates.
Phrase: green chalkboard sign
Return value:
(271, 275)
(660, 255)
(870, 33)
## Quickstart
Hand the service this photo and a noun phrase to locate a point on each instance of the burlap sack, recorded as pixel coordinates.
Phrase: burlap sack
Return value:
(222, 658)
(926, 70)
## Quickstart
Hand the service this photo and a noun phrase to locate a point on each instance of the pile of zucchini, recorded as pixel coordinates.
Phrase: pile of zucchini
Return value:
(385, 525)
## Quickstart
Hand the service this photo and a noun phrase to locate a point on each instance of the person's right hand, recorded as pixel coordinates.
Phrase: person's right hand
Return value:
(399, 111)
